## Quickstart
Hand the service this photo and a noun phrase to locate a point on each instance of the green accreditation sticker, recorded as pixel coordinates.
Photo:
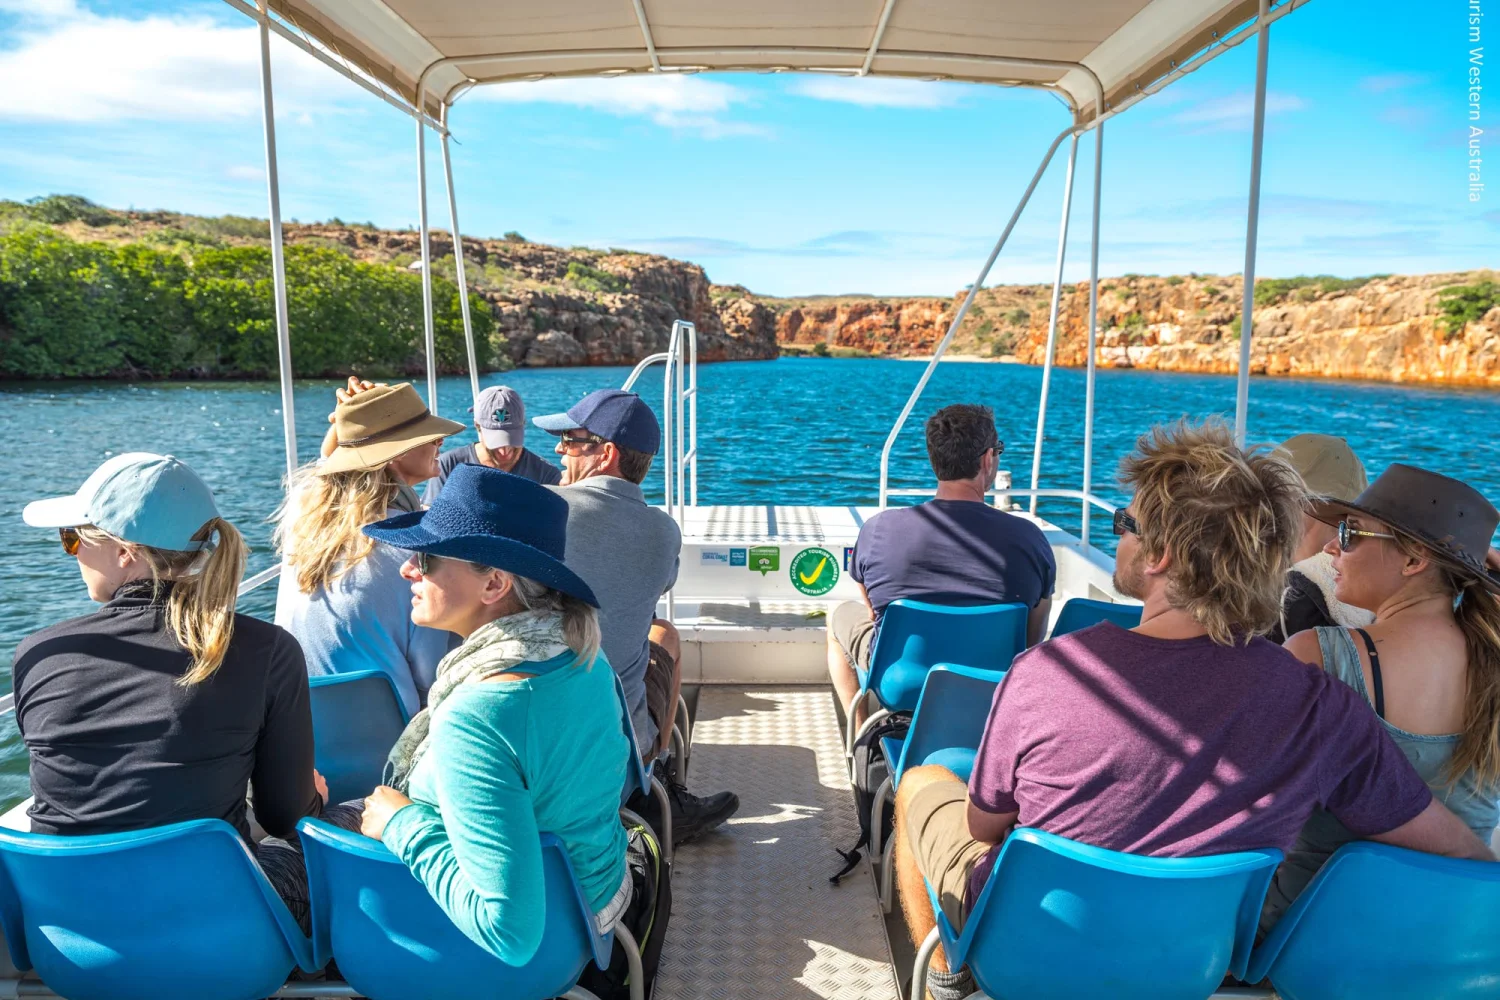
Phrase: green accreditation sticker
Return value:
(815, 571)
(764, 559)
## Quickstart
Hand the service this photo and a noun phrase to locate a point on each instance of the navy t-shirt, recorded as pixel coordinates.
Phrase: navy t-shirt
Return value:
(957, 552)
(528, 466)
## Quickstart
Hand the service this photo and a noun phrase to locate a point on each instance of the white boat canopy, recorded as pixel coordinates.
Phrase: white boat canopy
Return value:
(437, 48)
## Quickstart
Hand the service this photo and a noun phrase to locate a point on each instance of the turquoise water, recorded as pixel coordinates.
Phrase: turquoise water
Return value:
(793, 431)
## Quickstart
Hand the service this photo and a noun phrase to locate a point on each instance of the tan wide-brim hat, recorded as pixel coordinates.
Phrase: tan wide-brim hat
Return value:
(1327, 465)
(380, 424)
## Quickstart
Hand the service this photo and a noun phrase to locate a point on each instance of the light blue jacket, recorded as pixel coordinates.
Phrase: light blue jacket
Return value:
(508, 761)
(362, 621)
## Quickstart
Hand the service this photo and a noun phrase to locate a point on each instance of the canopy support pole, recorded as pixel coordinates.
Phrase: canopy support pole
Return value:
(1088, 392)
(1252, 223)
(427, 325)
(1062, 246)
(963, 310)
(278, 257)
(458, 263)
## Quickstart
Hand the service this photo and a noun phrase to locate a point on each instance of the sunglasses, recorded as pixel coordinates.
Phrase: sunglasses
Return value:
(588, 440)
(71, 539)
(1347, 536)
(1125, 523)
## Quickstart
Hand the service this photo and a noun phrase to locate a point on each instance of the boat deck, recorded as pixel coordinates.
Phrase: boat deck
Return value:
(752, 907)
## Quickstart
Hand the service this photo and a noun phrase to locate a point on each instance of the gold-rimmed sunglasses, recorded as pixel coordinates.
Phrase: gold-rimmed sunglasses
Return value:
(1348, 535)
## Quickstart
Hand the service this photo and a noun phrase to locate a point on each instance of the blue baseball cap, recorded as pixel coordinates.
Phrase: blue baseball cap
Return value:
(613, 414)
(145, 499)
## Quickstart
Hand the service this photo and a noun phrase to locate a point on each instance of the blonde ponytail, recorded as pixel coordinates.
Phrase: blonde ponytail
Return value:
(1478, 615)
(200, 608)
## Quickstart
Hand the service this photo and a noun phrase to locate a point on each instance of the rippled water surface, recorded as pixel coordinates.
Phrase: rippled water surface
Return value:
(803, 431)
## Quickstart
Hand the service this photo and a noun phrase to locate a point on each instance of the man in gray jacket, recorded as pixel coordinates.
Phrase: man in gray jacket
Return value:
(627, 552)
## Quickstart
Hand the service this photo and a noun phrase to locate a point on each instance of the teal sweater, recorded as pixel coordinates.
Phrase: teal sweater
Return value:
(508, 761)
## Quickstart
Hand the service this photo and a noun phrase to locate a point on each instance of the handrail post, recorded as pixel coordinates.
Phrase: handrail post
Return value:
(1088, 392)
(278, 256)
(937, 355)
(1252, 224)
(683, 329)
(666, 424)
(427, 324)
(458, 262)
(1057, 281)
(693, 408)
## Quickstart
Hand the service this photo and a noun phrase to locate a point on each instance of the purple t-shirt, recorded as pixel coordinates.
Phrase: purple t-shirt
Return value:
(1181, 747)
(955, 552)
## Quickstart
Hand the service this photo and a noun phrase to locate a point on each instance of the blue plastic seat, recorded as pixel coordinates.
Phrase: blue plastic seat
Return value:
(1384, 923)
(356, 719)
(174, 910)
(913, 636)
(639, 778)
(393, 942)
(1081, 612)
(1059, 919)
(945, 730)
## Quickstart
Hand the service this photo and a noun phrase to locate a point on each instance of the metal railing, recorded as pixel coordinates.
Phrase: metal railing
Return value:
(679, 417)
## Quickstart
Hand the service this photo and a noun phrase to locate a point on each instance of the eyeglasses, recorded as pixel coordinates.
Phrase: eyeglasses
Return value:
(1125, 523)
(71, 539)
(1347, 535)
(424, 561)
(588, 440)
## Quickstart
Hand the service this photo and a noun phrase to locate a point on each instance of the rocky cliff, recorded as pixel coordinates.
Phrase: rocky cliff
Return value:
(1439, 328)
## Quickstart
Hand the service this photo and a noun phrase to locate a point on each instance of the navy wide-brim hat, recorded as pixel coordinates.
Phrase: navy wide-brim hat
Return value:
(495, 519)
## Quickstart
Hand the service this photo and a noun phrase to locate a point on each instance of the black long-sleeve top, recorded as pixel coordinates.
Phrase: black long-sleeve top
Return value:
(116, 744)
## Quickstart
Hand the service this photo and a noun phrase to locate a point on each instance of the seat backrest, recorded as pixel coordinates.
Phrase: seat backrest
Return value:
(174, 910)
(950, 716)
(393, 942)
(1059, 919)
(637, 771)
(914, 635)
(1387, 923)
(356, 719)
(1081, 612)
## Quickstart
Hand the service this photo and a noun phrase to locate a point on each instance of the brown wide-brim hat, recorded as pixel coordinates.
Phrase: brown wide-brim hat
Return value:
(380, 424)
(1447, 516)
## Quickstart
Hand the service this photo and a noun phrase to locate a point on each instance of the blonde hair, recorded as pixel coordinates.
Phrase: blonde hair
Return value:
(1231, 518)
(1478, 617)
(580, 621)
(200, 609)
(318, 524)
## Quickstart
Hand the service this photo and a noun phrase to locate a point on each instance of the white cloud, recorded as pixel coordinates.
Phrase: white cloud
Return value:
(1235, 111)
(673, 101)
(245, 172)
(71, 65)
(879, 91)
(1391, 81)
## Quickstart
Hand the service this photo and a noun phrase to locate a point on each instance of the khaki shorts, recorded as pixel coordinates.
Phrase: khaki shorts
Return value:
(659, 673)
(937, 828)
(854, 631)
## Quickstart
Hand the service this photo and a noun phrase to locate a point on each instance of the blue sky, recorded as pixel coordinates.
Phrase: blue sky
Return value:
(786, 184)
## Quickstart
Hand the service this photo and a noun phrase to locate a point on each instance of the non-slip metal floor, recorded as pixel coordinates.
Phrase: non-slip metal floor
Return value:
(753, 912)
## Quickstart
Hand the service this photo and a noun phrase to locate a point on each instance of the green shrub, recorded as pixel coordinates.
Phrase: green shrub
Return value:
(1235, 325)
(1018, 317)
(89, 310)
(56, 209)
(820, 349)
(1174, 279)
(514, 237)
(1135, 322)
(1269, 291)
(591, 279)
(1212, 291)
(1461, 305)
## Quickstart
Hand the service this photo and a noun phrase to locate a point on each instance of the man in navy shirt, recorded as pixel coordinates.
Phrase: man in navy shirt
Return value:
(500, 419)
(955, 549)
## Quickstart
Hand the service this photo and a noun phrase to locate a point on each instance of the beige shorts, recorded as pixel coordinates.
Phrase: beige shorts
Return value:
(937, 828)
(854, 631)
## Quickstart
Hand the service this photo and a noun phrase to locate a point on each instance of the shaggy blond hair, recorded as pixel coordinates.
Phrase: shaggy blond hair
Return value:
(318, 525)
(1231, 518)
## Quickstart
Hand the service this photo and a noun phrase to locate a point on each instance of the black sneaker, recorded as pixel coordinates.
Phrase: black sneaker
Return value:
(694, 815)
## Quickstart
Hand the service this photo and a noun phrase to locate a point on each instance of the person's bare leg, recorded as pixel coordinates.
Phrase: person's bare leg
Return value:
(845, 680)
(664, 634)
(910, 886)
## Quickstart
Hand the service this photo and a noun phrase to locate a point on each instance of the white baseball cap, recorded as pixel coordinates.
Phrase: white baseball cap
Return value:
(145, 499)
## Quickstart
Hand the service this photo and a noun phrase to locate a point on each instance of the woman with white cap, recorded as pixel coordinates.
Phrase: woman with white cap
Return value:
(1412, 549)
(523, 732)
(163, 705)
(341, 593)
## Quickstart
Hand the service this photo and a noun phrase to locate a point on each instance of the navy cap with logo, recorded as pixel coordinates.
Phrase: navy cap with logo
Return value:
(613, 414)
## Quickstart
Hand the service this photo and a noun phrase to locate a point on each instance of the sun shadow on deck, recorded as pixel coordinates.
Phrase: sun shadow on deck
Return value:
(752, 903)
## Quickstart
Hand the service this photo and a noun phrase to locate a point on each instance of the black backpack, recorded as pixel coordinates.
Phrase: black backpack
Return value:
(646, 918)
(870, 772)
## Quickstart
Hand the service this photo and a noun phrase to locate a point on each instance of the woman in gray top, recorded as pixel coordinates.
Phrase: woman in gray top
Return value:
(1411, 548)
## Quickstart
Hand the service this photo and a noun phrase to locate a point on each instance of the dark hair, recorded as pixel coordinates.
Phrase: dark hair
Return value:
(957, 437)
(634, 464)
